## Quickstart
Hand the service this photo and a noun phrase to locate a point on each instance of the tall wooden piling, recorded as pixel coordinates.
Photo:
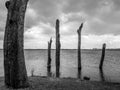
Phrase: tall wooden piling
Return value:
(102, 75)
(57, 49)
(79, 50)
(49, 58)
(102, 56)
(14, 62)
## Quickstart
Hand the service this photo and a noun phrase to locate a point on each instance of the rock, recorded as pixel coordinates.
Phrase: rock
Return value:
(86, 78)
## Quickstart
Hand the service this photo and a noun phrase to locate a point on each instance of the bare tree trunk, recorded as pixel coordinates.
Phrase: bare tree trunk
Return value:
(57, 49)
(79, 50)
(49, 58)
(14, 63)
(102, 56)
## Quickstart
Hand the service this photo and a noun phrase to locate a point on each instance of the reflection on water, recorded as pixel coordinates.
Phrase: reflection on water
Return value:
(37, 60)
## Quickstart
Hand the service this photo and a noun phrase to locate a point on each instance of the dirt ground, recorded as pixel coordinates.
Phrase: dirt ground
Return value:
(44, 83)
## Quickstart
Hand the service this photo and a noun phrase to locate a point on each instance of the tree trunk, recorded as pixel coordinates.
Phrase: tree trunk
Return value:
(79, 50)
(49, 58)
(57, 49)
(14, 63)
(102, 56)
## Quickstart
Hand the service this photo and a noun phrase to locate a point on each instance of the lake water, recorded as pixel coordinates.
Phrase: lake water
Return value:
(37, 60)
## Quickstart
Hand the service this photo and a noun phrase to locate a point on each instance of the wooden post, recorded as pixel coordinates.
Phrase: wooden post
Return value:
(102, 56)
(49, 58)
(79, 50)
(32, 72)
(14, 63)
(102, 75)
(57, 49)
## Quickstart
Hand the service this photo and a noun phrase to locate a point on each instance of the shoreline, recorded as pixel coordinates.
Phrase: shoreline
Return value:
(46, 83)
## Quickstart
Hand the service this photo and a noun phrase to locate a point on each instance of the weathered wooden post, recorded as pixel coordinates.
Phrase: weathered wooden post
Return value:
(49, 58)
(32, 72)
(102, 56)
(102, 75)
(57, 49)
(79, 50)
(14, 63)
(101, 62)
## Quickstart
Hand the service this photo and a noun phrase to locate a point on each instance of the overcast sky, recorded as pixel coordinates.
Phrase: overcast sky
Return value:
(101, 23)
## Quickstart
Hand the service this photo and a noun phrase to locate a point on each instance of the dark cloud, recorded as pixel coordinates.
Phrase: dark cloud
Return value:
(101, 29)
(117, 4)
(47, 10)
(100, 17)
(87, 6)
(111, 18)
(75, 11)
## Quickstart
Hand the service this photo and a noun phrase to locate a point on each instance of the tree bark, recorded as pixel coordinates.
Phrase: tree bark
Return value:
(57, 49)
(79, 50)
(14, 63)
(49, 58)
(102, 56)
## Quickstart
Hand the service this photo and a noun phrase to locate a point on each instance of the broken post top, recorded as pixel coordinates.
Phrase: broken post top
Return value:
(57, 23)
(104, 45)
(51, 40)
(80, 28)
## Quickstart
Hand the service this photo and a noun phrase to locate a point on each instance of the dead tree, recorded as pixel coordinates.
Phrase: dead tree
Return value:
(57, 49)
(79, 50)
(102, 56)
(14, 63)
(49, 58)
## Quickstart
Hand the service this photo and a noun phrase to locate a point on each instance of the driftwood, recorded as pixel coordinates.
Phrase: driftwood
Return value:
(57, 49)
(14, 63)
(79, 50)
(49, 58)
(102, 56)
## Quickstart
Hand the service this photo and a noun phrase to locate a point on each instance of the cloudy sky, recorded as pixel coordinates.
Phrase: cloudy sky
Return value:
(101, 23)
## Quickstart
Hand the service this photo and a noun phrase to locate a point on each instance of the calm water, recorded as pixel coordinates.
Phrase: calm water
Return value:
(37, 60)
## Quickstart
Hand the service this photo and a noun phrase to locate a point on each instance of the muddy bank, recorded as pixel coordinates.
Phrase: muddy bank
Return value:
(44, 83)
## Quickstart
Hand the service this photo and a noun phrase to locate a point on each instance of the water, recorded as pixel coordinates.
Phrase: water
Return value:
(37, 60)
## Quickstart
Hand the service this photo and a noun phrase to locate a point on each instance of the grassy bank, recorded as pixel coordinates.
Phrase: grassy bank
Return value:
(44, 83)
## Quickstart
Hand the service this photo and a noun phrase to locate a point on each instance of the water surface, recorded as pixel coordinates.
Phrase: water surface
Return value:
(37, 60)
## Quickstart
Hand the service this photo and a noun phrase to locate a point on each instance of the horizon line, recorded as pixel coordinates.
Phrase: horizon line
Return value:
(69, 49)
